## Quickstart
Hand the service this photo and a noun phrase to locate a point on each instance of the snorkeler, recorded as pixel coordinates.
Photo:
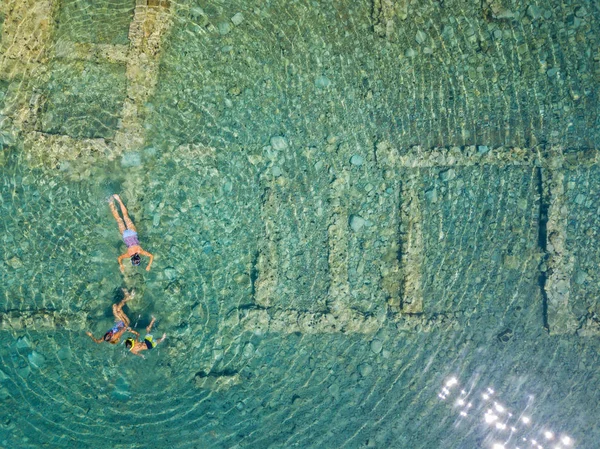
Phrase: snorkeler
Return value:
(130, 236)
(135, 345)
(121, 322)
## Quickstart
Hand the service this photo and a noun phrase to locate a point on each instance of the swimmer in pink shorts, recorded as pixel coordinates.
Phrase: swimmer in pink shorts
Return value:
(130, 236)
(121, 322)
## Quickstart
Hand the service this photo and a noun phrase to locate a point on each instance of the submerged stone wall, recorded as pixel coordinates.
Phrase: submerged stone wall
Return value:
(517, 245)
(82, 87)
(82, 75)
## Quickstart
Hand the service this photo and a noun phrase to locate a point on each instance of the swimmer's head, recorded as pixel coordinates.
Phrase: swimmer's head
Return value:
(135, 260)
(107, 336)
(129, 343)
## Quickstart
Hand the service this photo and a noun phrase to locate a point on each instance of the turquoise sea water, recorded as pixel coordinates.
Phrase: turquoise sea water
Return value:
(374, 223)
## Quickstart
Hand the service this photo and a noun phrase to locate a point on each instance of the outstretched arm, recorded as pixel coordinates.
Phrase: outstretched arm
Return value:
(120, 259)
(97, 340)
(147, 254)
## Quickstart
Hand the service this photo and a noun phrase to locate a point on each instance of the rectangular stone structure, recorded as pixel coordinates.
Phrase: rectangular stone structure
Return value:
(481, 238)
(292, 263)
(581, 190)
(83, 99)
(400, 242)
(204, 222)
(95, 21)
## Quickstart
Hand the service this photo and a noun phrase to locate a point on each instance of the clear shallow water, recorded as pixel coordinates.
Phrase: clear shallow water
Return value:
(319, 279)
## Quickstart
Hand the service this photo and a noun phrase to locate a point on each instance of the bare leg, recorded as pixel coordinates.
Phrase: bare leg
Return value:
(161, 338)
(127, 296)
(120, 315)
(113, 209)
(118, 308)
(149, 328)
(128, 221)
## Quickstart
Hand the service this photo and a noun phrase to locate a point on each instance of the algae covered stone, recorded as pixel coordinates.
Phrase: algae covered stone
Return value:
(357, 222)
(279, 143)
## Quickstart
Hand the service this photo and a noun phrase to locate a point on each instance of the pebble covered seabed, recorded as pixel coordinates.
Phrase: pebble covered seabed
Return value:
(374, 223)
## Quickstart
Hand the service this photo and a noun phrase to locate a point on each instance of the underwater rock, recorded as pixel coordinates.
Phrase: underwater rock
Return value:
(156, 219)
(376, 346)
(242, 279)
(356, 160)
(562, 287)
(197, 12)
(431, 195)
(497, 9)
(534, 12)
(447, 32)
(237, 18)
(384, 15)
(448, 175)
(224, 28)
(334, 390)
(420, 37)
(581, 12)
(505, 336)
(249, 350)
(356, 222)
(276, 170)
(580, 277)
(365, 369)
(23, 343)
(322, 82)
(14, 263)
(65, 353)
(217, 381)
(278, 143)
(24, 372)
(36, 359)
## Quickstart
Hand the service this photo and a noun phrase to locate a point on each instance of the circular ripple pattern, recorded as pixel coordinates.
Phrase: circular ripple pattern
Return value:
(243, 137)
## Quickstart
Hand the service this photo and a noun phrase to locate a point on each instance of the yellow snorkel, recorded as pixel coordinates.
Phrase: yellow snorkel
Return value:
(132, 341)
